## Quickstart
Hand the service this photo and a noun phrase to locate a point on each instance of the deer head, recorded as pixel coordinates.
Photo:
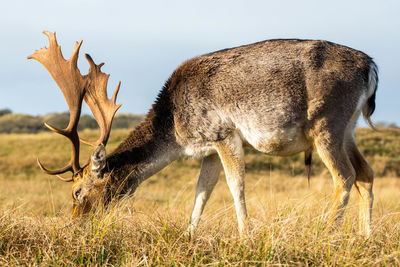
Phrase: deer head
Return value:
(89, 183)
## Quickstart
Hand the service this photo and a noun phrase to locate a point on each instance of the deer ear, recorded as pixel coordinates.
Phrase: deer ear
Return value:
(98, 159)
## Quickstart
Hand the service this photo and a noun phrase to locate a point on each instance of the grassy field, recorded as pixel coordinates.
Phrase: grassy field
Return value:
(286, 222)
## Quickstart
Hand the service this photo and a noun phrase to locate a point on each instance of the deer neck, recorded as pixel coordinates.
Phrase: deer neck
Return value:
(147, 150)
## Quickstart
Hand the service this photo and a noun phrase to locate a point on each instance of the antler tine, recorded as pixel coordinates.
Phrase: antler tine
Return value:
(60, 171)
(72, 84)
(103, 109)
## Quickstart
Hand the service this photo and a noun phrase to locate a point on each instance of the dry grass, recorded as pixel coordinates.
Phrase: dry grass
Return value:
(286, 222)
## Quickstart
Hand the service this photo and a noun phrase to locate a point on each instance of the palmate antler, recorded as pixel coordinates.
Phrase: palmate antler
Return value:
(103, 109)
(76, 87)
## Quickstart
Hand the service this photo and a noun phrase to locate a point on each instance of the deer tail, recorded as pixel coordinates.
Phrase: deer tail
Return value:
(369, 106)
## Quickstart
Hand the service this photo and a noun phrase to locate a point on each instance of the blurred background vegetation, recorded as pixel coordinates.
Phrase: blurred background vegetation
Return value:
(22, 123)
(381, 149)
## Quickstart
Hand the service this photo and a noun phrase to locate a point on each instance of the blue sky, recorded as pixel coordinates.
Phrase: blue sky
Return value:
(142, 42)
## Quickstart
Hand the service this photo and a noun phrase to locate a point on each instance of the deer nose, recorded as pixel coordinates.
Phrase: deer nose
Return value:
(77, 192)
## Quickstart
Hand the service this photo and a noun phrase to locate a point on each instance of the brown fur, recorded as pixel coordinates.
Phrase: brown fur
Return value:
(279, 96)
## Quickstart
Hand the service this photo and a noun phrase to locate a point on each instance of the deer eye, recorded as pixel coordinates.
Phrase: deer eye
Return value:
(77, 192)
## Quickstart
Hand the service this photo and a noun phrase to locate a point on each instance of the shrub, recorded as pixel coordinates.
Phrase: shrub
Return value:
(5, 111)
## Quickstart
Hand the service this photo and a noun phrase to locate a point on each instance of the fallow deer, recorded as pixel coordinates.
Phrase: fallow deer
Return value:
(281, 97)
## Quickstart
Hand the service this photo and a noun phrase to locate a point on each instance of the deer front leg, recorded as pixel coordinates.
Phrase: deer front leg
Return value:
(209, 173)
(231, 154)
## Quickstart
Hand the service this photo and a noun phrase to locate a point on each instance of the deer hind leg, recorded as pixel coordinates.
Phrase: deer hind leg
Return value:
(209, 173)
(363, 184)
(334, 156)
(231, 154)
